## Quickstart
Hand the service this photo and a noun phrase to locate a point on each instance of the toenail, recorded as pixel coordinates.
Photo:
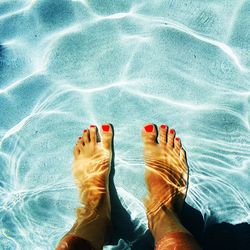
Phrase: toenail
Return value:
(92, 126)
(177, 139)
(105, 128)
(171, 131)
(163, 126)
(149, 128)
(85, 130)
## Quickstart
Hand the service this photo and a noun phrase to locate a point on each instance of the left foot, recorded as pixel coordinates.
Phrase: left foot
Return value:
(91, 168)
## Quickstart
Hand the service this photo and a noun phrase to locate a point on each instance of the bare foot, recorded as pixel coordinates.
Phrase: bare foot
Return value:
(166, 169)
(166, 177)
(91, 168)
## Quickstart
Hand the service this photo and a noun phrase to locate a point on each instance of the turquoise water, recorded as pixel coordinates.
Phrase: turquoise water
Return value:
(67, 64)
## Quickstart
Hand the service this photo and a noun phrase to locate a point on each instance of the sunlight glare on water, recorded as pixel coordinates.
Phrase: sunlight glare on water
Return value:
(67, 64)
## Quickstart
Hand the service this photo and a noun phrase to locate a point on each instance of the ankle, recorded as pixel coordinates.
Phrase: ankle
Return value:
(99, 204)
(92, 226)
(164, 221)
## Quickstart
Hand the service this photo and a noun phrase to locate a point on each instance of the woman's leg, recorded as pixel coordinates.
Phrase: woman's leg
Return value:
(91, 168)
(169, 233)
(166, 177)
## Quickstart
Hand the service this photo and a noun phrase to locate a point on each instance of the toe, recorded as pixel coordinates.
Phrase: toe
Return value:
(86, 136)
(93, 134)
(170, 140)
(76, 151)
(177, 145)
(80, 144)
(163, 134)
(107, 136)
(149, 134)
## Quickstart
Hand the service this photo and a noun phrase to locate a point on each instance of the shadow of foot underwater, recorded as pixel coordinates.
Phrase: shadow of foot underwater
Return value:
(223, 236)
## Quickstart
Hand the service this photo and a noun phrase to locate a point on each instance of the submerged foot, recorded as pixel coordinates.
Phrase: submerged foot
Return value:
(166, 170)
(91, 168)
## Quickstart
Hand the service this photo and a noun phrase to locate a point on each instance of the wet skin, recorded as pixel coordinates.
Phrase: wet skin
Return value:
(165, 175)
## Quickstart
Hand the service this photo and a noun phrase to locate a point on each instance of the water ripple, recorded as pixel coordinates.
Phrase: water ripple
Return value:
(66, 65)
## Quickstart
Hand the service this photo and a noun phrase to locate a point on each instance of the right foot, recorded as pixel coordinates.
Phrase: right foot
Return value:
(166, 170)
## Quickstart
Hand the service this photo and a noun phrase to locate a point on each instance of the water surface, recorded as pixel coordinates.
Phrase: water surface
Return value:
(67, 64)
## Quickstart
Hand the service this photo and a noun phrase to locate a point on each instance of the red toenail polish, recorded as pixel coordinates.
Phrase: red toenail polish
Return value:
(171, 131)
(105, 128)
(163, 126)
(92, 126)
(85, 130)
(149, 128)
(79, 138)
(177, 139)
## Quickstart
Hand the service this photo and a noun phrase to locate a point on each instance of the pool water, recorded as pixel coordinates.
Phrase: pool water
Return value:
(67, 64)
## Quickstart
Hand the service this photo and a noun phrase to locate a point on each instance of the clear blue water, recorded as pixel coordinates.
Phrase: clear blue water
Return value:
(67, 64)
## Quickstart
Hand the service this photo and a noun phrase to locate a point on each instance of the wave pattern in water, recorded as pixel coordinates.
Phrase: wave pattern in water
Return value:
(67, 64)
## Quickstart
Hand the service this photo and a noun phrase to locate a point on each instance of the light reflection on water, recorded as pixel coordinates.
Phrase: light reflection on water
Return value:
(67, 64)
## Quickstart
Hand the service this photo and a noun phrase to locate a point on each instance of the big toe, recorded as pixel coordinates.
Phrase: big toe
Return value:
(107, 136)
(149, 134)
